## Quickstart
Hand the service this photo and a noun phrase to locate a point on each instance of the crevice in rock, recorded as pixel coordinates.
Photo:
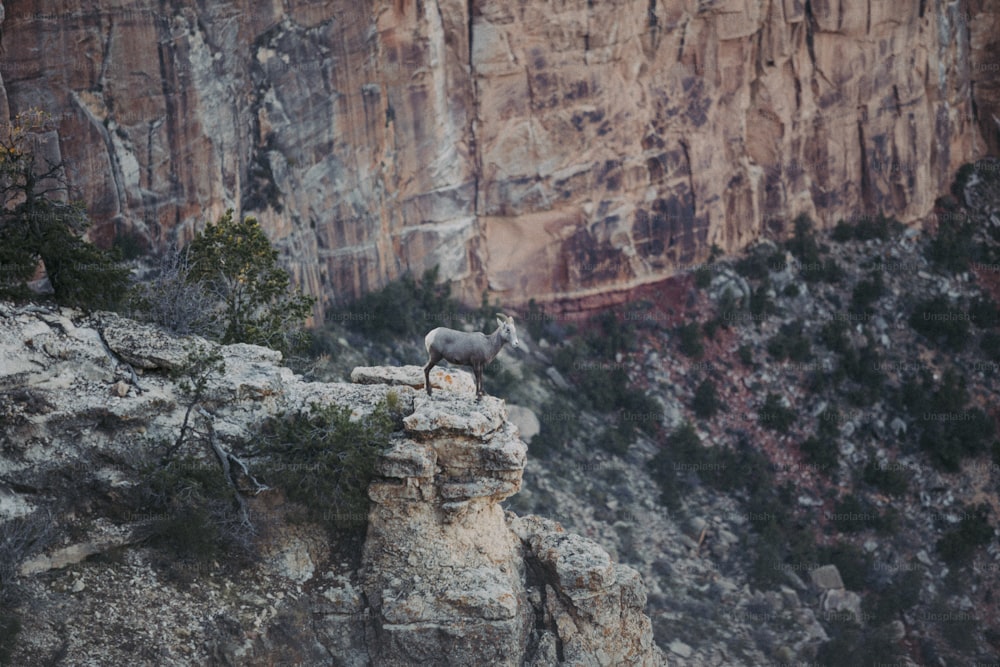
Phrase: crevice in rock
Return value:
(866, 186)
(473, 144)
(536, 576)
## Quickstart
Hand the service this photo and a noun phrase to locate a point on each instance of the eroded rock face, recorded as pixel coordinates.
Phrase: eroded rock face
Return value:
(537, 151)
(452, 580)
(447, 577)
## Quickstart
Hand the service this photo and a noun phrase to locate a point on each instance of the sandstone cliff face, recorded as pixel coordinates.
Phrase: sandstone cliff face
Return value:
(447, 577)
(532, 149)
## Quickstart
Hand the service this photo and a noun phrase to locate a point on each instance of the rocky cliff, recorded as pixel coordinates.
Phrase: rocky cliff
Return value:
(531, 149)
(446, 576)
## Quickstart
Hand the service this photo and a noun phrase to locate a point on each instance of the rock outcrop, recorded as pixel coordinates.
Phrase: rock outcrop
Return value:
(446, 576)
(531, 150)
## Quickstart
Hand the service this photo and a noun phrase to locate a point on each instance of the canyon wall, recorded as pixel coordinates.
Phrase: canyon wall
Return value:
(534, 149)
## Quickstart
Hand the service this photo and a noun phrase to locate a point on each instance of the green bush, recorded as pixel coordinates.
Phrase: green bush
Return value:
(706, 400)
(703, 276)
(690, 340)
(951, 437)
(853, 515)
(990, 345)
(834, 336)
(854, 565)
(953, 247)
(745, 354)
(761, 303)
(753, 266)
(962, 177)
(559, 423)
(941, 323)
(958, 545)
(983, 312)
(803, 242)
(39, 227)
(774, 415)
(831, 273)
(842, 232)
(887, 479)
(234, 261)
(861, 366)
(853, 646)
(867, 292)
(949, 429)
(821, 452)
(195, 510)
(867, 228)
(405, 308)
(887, 600)
(674, 457)
(325, 460)
(876, 227)
(10, 627)
(790, 343)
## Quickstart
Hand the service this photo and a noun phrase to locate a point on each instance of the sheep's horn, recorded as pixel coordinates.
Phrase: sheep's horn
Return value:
(503, 317)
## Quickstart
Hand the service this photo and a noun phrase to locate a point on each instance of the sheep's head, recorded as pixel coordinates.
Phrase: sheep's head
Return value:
(508, 332)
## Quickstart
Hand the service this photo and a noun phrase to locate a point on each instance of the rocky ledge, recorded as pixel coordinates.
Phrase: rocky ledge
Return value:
(446, 575)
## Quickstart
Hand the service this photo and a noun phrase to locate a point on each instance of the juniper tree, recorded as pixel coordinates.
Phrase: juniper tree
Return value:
(41, 228)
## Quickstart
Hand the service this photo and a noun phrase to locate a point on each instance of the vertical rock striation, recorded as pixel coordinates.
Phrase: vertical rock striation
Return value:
(527, 148)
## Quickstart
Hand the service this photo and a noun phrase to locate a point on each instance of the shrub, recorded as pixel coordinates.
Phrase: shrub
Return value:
(842, 232)
(887, 600)
(831, 273)
(885, 478)
(983, 312)
(325, 460)
(852, 515)
(706, 401)
(990, 345)
(559, 422)
(39, 227)
(761, 303)
(703, 276)
(803, 242)
(958, 545)
(235, 262)
(951, 437)
(790, 343)
(20, 537)
(405, 308)
(774, 415)
(821, 452)
(10, 627)
(961, 180)
(853, 646)
(867, 292)
(834, 336)
(952, 248)
(861, 366)
(690, 341)
(745, 353)
(195, 509)
(753, 266)
(172, 300)
(853, 564)
(611, 336)
(876, 227)
(681, 447)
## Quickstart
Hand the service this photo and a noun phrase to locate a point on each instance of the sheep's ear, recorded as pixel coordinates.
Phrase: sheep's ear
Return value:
(500, 320)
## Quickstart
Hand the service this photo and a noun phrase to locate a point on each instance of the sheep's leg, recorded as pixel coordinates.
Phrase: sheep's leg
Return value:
(478, 371)
(435, 358)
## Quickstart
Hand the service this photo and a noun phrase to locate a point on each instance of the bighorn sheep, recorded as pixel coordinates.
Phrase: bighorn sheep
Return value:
(468, 349)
